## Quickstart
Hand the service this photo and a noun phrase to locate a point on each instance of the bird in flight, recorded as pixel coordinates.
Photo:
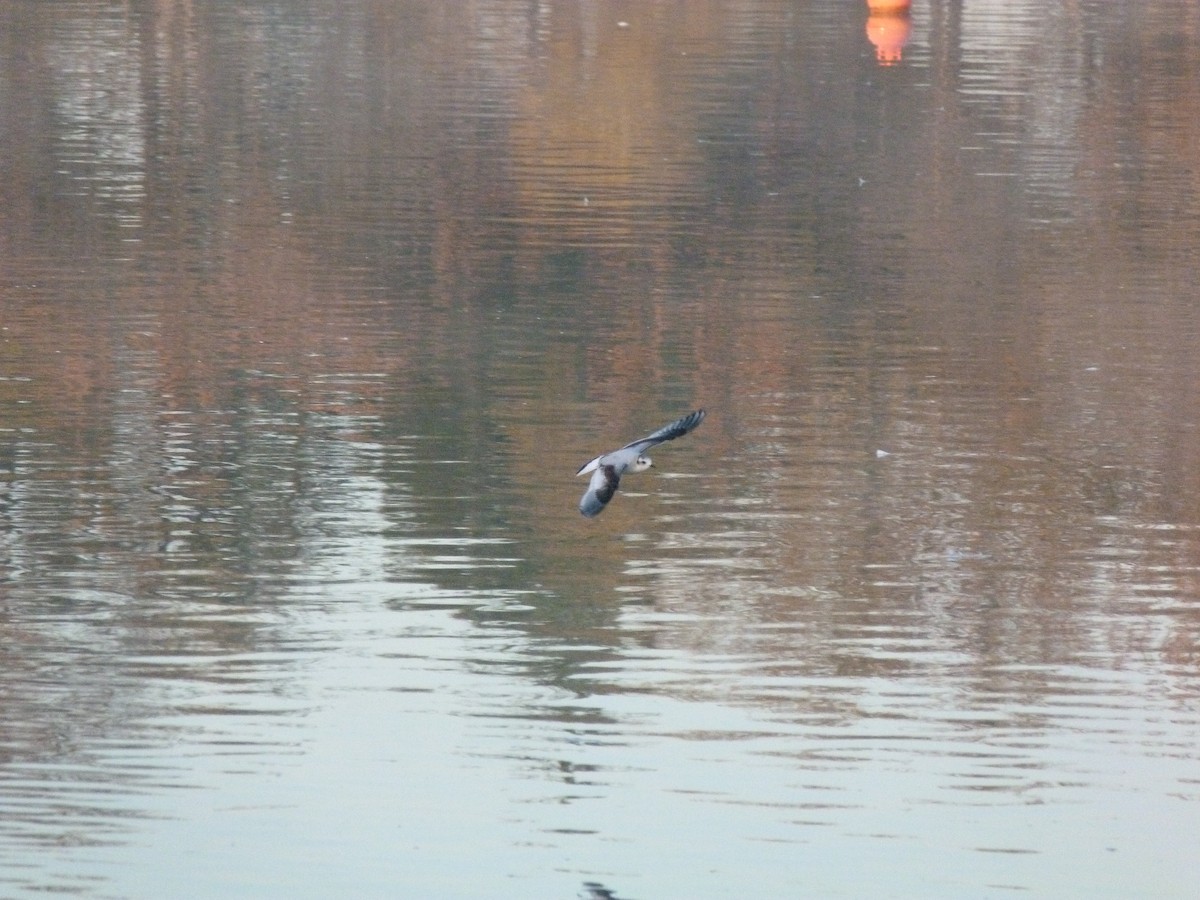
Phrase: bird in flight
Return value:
(608, 468)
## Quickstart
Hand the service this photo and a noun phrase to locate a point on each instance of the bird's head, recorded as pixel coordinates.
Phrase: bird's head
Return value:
(641, 464)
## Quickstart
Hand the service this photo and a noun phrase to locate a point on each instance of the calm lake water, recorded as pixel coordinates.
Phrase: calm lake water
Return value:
(309, 312)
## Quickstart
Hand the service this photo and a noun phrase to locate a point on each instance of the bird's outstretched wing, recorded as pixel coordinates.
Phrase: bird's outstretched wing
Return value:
(599, 491)
(678, 428)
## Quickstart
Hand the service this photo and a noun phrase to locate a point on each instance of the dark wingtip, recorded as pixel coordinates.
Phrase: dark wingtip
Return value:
(591, 505)
(691, 420)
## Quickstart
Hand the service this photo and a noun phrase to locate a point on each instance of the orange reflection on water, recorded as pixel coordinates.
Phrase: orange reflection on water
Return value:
(889, 29)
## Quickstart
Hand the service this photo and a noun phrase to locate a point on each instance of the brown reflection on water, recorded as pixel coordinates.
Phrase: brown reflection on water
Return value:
(837, 265)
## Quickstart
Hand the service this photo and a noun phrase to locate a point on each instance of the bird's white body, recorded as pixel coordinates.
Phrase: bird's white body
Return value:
(641, 464)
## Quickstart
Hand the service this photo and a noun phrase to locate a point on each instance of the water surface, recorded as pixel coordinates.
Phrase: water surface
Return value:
(310, 311)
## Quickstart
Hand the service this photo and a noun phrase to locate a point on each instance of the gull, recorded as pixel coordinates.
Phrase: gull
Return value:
(607, 468)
